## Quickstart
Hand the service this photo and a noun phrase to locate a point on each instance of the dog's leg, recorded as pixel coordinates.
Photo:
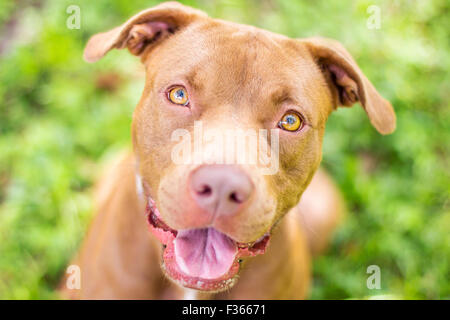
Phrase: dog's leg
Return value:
(320, 209)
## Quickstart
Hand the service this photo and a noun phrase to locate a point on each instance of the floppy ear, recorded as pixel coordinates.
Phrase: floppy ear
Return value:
(349, 85)
(142, 30)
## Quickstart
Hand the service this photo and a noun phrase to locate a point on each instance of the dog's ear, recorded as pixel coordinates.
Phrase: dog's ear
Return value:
(142, 30)
(349, 85)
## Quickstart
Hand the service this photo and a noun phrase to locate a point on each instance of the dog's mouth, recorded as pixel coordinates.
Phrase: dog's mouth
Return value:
(203, 259)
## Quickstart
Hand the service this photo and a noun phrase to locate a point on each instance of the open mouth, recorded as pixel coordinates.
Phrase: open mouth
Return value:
(203, 259)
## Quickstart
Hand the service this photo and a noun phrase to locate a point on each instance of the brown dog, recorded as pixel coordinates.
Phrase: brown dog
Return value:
(203, 224)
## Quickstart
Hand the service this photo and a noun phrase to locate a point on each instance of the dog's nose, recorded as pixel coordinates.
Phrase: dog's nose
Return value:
(220, 189)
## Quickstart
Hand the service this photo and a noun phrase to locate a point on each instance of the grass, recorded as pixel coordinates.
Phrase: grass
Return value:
(60, 118)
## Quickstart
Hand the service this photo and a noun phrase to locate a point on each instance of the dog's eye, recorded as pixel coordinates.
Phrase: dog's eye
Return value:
(291, 121)
(178, 95)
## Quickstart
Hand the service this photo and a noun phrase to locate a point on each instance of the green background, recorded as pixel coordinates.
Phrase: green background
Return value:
(61, 119)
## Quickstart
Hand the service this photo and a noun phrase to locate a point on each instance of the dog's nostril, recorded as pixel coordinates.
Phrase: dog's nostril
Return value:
(204, 190)
(234, 197)
(220, 189)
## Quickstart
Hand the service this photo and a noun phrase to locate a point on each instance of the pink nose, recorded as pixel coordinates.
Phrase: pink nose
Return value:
(220, 189)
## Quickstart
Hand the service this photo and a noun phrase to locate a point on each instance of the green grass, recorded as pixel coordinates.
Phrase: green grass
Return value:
(58, 123)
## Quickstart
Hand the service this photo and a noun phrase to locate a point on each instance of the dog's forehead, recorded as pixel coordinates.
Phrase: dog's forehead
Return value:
(239, 32)
(213, 51)
(223, 41)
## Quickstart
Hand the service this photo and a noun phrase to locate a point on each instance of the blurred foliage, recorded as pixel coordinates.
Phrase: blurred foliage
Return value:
(60, 118)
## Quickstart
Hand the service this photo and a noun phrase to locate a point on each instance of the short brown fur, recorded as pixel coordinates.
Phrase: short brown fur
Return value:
(238, 77)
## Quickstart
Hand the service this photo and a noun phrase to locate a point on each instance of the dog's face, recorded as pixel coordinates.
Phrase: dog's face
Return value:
(206, 81)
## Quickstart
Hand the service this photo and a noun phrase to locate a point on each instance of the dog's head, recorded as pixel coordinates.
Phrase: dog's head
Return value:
(228, 131)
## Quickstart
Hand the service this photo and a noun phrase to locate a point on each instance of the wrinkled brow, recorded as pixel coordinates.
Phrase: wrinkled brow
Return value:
(280, 95)
(191, 78)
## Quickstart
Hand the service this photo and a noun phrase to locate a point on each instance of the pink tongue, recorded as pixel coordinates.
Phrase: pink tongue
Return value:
(204, 253)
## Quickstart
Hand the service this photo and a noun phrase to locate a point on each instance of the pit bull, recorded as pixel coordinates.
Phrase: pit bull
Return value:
(210, 229)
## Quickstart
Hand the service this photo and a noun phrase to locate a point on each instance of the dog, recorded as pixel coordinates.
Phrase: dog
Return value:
(206, 229)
